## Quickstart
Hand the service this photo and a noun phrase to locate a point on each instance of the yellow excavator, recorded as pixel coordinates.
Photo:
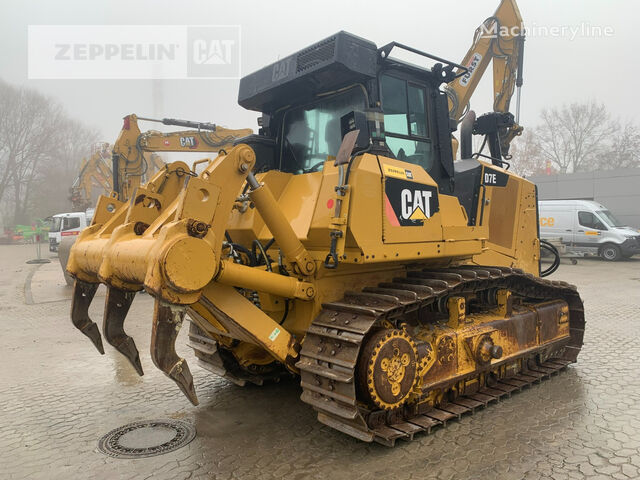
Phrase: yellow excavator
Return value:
(133, 159)
(341, 244)
(128, 156)
(94, 172)
(498, 40)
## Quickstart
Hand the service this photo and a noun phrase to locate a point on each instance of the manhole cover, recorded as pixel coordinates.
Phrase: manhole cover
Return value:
(146, 439)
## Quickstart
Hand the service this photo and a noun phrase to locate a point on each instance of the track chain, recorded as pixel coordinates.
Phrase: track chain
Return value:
(334, 339)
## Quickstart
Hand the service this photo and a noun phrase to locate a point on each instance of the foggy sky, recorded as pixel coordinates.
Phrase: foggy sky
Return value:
(557, 69)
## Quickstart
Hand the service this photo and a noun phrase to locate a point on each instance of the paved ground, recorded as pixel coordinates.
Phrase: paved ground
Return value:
(58, 396)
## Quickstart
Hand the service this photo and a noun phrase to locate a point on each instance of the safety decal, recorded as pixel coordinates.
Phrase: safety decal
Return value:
(274, 334)
(409, 204)
(494, 178)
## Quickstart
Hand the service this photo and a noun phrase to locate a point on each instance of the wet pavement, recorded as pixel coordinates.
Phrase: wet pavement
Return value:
(58, 396)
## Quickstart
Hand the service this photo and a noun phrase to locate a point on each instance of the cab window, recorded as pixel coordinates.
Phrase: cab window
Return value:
(312, 133)
(405, 121)
(589, 220)
(71, 222)
(56, 224)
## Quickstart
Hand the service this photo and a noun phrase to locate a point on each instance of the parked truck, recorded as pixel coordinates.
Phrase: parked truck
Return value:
(67, 225)
(588, 227)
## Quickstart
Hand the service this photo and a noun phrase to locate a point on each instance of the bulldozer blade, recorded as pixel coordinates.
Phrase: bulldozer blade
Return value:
(167, 320)
(83, 294)
(116, 308)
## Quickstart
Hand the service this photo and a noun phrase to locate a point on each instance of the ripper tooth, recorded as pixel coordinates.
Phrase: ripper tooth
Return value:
(116, 308)
(167, 320)
(83, 294)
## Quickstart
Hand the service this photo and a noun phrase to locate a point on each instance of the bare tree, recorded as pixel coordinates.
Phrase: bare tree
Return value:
(27, 130)
(526, 153)
(35, 143)
(74, 143)
(574, 136)
(623, 150)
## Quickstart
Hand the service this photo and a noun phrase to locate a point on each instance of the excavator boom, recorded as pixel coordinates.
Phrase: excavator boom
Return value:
(130, 163)
(499, 39)
(95, 171)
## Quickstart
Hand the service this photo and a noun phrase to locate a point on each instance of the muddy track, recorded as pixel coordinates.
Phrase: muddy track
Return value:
(335, 338)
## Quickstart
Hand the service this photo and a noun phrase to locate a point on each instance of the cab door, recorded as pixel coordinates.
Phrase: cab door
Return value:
(410, 195)
(71, 226)
(588, 231)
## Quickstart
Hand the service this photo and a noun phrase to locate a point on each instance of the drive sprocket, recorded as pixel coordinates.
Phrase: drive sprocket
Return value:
(389, 368)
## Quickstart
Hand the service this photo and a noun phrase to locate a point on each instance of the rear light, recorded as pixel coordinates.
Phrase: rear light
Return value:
(68, 234)
(127, 123)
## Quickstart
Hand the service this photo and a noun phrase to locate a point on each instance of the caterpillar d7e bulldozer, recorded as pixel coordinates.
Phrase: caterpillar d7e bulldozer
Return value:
(341, 244)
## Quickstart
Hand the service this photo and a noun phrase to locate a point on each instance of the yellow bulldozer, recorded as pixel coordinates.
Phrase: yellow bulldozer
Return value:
(341, 244)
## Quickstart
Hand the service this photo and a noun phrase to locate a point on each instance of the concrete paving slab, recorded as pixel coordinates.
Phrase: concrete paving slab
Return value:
(58, 396)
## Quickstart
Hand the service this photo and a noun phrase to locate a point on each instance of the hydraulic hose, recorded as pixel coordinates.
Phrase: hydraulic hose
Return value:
(556, 260)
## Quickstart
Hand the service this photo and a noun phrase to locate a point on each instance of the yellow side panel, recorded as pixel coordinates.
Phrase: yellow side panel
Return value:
(411, 209)
(502, 215)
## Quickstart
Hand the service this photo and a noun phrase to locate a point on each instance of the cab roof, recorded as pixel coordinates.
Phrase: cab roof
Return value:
(334, 62)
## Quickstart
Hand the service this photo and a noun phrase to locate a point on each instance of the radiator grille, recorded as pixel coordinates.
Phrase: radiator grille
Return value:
(315, 55)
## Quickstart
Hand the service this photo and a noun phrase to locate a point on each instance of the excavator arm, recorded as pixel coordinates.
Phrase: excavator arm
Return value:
(500, 39)
(131, 165)
(93, 172)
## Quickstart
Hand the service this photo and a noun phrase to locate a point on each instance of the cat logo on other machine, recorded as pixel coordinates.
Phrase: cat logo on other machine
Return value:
(409, 204)
(189, 142)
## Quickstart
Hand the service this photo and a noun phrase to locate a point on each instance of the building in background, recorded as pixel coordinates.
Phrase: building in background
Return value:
(618, 190)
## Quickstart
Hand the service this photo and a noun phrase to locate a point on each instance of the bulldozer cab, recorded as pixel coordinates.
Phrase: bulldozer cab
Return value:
(305, 97)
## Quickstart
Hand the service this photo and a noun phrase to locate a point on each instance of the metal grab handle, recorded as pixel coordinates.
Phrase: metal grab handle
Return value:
(331, 260)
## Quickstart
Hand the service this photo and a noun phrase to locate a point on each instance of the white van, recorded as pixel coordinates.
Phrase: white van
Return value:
(586, 226)
(67, 224)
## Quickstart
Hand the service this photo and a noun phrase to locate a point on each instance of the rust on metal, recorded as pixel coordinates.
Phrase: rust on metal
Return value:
(358, 394)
